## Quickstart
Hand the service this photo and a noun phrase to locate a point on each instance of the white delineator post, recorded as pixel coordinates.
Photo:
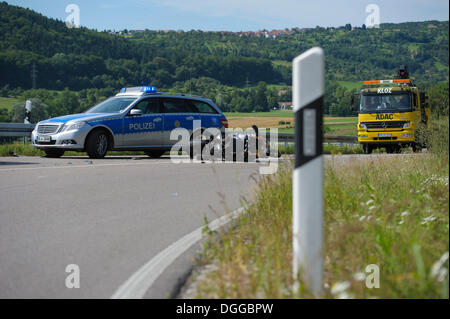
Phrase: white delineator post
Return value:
(307, 189)
(28, 108)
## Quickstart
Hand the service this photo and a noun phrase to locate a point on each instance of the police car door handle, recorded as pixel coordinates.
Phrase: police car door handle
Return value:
(189, 118)
(158, 119)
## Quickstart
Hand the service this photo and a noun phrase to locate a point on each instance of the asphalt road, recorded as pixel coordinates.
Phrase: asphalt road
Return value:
(107, 216)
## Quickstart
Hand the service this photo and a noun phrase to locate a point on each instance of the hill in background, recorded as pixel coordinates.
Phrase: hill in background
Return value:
(220, 65)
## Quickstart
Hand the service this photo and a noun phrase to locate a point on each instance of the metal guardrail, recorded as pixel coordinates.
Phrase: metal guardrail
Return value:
(24, 130)
(16, 129)
(288, 137)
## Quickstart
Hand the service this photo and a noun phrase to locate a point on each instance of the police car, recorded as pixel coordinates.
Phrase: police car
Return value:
(137, 118)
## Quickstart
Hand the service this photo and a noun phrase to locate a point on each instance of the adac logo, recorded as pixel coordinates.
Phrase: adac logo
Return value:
(177, 123)
(385, 116)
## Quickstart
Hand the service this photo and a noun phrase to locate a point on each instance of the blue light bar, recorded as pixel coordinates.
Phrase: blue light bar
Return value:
(148, 89)
(123, 90)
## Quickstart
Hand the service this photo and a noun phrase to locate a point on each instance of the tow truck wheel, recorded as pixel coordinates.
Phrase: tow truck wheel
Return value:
(97, 144)
(54, 153)
(155, 154)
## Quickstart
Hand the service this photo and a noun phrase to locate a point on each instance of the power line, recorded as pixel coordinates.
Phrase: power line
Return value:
(34, 75)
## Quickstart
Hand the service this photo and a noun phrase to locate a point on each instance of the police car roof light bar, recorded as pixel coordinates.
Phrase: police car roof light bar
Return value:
(394, 81)
(148, 89)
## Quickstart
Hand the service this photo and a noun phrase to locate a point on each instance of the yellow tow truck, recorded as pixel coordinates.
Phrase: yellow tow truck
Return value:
(393, 114)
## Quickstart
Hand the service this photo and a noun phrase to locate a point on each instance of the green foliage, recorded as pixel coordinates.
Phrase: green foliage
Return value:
(438, 99)
(388, 211)
(38, 113)
(82, 58)
(213, 64)
(4, 115)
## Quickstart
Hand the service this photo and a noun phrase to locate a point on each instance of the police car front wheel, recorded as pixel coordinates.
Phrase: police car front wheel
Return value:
(97, 144)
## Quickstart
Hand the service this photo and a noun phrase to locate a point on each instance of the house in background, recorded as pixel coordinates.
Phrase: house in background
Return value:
(285, 105)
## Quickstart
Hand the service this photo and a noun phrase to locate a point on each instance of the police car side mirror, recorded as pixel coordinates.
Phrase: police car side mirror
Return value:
(135, 112)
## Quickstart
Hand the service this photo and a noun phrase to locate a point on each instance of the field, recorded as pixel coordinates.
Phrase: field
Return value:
(278, 113)
(391, 211)
(352, 85)
(8, 102)
(284, 121)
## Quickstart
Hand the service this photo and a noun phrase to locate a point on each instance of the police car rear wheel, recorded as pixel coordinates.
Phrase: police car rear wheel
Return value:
(97, 144)
(54, 153)
(155, 154)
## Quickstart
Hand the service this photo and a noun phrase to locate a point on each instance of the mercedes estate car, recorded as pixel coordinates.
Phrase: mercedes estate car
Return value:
(137, 118)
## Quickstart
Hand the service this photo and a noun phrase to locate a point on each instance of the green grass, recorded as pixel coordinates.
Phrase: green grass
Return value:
(8, 102)
(351, 85)
(440, 66)
(327, 149)
(21, 149)
(352, 119)
(389, 211)
(341, 129)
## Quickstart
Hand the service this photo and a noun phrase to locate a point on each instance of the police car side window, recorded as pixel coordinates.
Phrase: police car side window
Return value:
(177, 106)
(149, 106)
(203, 107)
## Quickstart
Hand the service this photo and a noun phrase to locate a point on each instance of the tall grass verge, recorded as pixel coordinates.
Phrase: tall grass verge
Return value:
(389, 211)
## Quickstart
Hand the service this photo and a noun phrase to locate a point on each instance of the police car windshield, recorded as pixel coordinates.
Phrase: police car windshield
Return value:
(375, 103)
(112, 105)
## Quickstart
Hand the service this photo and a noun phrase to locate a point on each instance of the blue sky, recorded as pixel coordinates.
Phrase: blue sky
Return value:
(234, 15)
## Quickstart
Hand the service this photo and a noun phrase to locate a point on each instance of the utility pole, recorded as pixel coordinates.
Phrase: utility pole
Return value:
(34, 75)
(247, 82)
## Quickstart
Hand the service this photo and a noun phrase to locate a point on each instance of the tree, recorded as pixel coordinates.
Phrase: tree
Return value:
(5, 116)
(438, 99)
(4, 91)
(261, 98)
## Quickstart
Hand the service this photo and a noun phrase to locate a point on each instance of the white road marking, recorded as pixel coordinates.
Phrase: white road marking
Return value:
(138, 284)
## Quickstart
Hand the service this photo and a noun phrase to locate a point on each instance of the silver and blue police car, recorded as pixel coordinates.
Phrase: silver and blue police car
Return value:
(137, 118)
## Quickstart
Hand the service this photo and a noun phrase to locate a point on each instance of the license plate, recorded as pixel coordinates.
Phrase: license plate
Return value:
(44, 138)
(384, 135)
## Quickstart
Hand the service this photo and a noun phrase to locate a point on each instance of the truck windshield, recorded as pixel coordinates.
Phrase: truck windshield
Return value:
(374, 103)
(112, 105)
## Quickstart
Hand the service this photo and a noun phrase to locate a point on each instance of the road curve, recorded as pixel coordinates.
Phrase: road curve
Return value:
(107, 216)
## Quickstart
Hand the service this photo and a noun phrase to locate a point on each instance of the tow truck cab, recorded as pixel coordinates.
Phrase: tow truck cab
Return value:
(394, 114)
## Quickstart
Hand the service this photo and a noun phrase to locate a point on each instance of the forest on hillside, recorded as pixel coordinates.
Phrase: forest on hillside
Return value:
(236, 71)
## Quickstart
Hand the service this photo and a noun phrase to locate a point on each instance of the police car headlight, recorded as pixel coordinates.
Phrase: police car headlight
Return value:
(363, 126)
(406, 125)
(72, 126)
(35, 127)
